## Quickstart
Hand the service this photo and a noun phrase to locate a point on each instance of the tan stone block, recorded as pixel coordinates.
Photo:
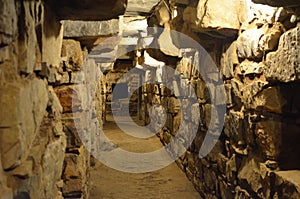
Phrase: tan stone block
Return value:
(52, 164)
(71, 49)
(22, 113)
(8, 22)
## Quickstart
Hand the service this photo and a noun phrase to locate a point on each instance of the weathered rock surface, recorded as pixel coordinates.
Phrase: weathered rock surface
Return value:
(209, 16)
(248, 44)
(72, 54)
(90, 28)
(24, 108)
(283, 65)
(8, 22)
(140, 7)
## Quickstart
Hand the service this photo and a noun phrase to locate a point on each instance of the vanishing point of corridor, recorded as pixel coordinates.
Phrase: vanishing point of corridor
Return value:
(107, 183)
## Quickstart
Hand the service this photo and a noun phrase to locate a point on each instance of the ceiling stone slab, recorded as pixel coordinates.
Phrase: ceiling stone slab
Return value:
(93, 10)
(279, 3)
(90, 28)
(140, 7)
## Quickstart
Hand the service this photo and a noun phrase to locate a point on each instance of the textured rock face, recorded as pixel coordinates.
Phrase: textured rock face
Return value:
(28, 116)
(8, 22)
(48, 85)
(90, 28)
(139, 7)
(253, 159)
(209, 15)
(283, 65)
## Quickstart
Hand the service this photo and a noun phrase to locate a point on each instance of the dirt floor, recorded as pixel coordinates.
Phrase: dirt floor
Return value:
(169, 182)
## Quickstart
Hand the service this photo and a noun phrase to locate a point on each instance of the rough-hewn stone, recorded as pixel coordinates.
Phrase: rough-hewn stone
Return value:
(283, 65)
(248, 44)
(8, 22)
(24, 109)
(90, 28)
(73, 54)
(209, 16)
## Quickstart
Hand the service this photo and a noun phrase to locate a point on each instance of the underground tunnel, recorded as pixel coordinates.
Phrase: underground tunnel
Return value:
(149, 99)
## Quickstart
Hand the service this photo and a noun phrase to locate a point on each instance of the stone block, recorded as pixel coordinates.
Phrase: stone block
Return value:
(29, 48)
(8, 22)
(283, 65)
(90, 28)
(72, 98)
(270, 39)
(52, 38)
(209, 16)
(269, 138)
(255, 175)
(248, 44)
(71, 49)
(52, 164)
(24, 106)
(229, 61)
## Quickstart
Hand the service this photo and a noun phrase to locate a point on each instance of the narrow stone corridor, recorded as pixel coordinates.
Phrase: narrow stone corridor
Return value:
(169, 182)
(206, 92)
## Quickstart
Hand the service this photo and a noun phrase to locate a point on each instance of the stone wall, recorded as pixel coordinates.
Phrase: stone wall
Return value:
(257, 52)
(32, 140)
(48, 98)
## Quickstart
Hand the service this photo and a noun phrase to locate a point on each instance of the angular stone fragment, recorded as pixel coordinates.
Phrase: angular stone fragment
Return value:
(250, 173)
(270, 39)
(52, 37)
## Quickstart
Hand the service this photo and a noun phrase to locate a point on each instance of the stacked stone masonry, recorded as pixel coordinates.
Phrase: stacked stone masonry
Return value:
(40, 73)
(256, 47)
(51, 94)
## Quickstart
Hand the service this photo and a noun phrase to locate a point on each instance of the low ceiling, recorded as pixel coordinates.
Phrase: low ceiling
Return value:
(98, 10)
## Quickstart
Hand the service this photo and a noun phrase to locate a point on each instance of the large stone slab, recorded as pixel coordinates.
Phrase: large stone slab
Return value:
(135, 7)
(24, 106)
(88, 10)
(90, 28)
(279, 3)
(209, 15)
